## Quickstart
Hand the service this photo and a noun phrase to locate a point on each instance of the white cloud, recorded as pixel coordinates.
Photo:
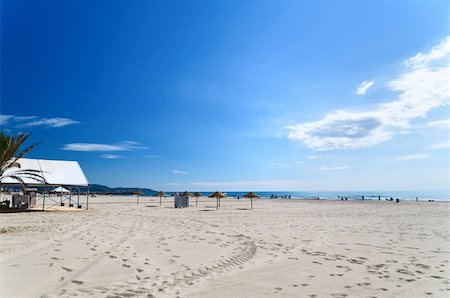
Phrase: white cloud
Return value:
(277, 164)
(439, 124)
(334, 168)
(111, 156)
(363, 87)
(179, 172)
(312, 157)
(421, 87)
(5, 119)
(442, 145)
(261, 185)
(122, 146)
(33, 121)
(413, 157)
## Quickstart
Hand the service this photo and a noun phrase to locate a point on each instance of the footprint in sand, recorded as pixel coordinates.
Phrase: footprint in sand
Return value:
(66, 269)
(77, 282)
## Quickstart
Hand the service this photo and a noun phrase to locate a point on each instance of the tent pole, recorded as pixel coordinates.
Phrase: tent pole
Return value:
(43, 200)
(78, 196)
(87, 200)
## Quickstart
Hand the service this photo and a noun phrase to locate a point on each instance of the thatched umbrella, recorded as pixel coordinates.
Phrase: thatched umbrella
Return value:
(217, 195)
(196, 195)
(160, 194)
(251, 195)
(138, 193)
(186, 193)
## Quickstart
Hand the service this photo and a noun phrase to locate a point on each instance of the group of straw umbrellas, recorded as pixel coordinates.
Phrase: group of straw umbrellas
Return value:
(217, 195)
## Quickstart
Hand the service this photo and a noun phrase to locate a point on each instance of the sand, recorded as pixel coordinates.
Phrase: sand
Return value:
(281, 248)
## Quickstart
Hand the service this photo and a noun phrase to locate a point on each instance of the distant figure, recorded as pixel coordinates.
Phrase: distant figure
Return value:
(363, 197)
(289, 196)
(318, 198)
(397, 200)
(238, 197)
(379, 198)
(346, 199)
(417, 199)
(391, 199)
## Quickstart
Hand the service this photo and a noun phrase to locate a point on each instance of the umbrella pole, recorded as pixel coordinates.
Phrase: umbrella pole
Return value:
(160, 200)
(137, 200)
(251, 203)
(196, 201)
(217, 201)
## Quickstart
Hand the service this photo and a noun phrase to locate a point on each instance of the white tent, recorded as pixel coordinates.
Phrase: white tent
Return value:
(61, 190)
(55, 172)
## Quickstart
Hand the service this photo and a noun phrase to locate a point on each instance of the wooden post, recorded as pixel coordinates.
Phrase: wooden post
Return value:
(43, 199)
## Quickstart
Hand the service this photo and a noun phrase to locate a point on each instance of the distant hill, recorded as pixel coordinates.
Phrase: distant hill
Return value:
(119, 190)
(97, 188)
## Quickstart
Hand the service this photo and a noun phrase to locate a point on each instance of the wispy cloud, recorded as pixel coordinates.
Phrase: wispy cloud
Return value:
(122, 146)
(153, 156)
(439, 124)
(277, 164)
(421, 87)
(254, 185)
(178, 172)
(111, 156)
(442, 145)
(33, 121)
(312, 157)
(413, 157)
(334, 168)
(363, 87)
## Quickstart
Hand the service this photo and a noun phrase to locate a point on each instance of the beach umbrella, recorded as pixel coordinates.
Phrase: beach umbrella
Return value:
(137, 193)
(196, 195)
(217, 195)
(251, 195)
(160, 194)
(186, 193)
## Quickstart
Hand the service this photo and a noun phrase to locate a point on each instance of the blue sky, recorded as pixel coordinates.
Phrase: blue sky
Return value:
(233, 95)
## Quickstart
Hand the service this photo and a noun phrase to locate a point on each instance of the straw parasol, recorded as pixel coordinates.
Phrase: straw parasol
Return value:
(196, 195)
(137, 193)
(186, 193)
(251, 195)
(160, 194)
(217, 195)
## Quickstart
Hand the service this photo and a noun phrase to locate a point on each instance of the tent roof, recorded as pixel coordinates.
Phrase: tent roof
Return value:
(61, 189)
(55, 172)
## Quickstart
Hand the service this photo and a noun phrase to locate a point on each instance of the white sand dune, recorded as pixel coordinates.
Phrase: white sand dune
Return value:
(279, 249)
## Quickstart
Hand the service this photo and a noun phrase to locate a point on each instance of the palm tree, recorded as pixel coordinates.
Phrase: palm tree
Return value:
(10, 152)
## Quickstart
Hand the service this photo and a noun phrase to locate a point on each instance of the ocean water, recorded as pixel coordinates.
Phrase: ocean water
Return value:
(351, 195)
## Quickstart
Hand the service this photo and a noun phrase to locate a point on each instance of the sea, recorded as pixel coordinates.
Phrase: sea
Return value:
(350, 195)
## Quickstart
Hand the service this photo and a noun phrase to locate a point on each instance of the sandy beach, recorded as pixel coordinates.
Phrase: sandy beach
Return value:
(281, 248)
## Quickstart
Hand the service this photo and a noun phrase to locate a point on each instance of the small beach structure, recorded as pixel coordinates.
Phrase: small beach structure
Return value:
(196, 195)
(56, 173)
(251, 195)
(182, 200)
(218, 195)
(160, 194)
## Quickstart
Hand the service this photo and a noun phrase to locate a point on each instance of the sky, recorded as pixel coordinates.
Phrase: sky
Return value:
(233, 95)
